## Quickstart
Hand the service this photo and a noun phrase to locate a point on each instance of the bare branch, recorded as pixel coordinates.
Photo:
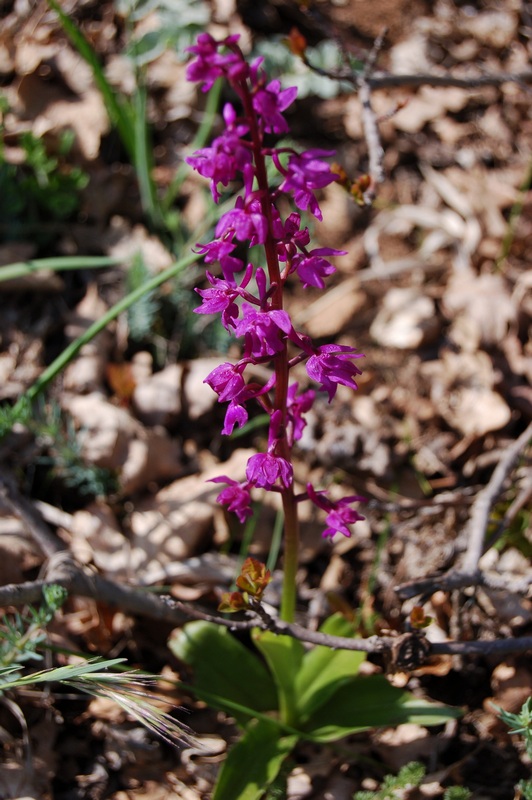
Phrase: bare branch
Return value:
(469, 573)
(77, 580)
(64, 571)
(384, 80)
(486, 498)
(47, 542)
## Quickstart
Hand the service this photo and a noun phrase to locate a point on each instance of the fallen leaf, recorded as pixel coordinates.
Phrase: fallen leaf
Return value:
(461, 390)
(406, 320)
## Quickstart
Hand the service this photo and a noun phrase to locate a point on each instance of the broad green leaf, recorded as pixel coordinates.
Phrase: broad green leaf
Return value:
(284, 655)
(323, 668)
(253, 763)
(371, 702)
(225, 667)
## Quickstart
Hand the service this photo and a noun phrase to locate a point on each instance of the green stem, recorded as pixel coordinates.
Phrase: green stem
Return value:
(291, 556)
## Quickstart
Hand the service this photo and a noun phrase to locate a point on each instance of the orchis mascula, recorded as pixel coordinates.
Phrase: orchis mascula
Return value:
(250, 298)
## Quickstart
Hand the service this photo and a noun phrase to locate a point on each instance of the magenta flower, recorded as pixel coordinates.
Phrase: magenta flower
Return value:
(332, 365)
(312, 268)
(263, 331)
(245, 221)
(297, 405)
(236, 414)
(209, 64)
(339, 513)
(226, 380)
(269, 102)
(219, 300)
(264, 469)
(236, 497)
(307, 171)
(227, 155)
(219, 250)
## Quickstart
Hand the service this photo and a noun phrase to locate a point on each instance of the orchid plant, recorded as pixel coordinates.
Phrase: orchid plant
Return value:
(250, 297)
(286, 693)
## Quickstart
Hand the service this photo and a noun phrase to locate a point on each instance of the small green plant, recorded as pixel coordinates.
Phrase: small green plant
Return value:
(65, 454)
(398, 787)
(393, 787)
(521, 725)
(40, 190)
(22, 635)
(285, 693)
(178, 24)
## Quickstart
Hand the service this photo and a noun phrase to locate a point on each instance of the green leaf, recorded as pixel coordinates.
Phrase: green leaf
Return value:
(371, 702)
(225, 667)
(323, 668)
(71, 672)
(284, 655)
(253, 763)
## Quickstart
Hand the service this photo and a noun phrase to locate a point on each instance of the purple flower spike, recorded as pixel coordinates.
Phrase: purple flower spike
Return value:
(264, 469)
(236, 497)
(332, 365)
(250, 298)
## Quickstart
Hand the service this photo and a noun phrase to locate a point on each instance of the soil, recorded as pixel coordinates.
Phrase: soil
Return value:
(112, 463)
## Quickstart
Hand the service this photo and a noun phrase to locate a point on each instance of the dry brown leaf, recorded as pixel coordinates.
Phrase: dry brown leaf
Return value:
(96, 537)
(428, 104)
(20, 367)
(110, 437)
(461, 390)
(153, 457)
(52, 112)
(17, 549)
(122, 241)
(198, 397)
(157, 400)
(406, 320)
(484, 304)
(494, 28)
(86, 373)
(398, 746)
(171, 525)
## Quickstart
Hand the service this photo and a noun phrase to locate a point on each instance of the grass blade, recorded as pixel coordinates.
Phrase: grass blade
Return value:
(120, 112)
(20, 269)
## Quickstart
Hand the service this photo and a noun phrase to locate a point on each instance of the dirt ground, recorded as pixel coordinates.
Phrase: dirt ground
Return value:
(111, 465)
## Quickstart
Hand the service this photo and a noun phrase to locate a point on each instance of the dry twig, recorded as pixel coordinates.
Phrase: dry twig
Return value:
(469, 574)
